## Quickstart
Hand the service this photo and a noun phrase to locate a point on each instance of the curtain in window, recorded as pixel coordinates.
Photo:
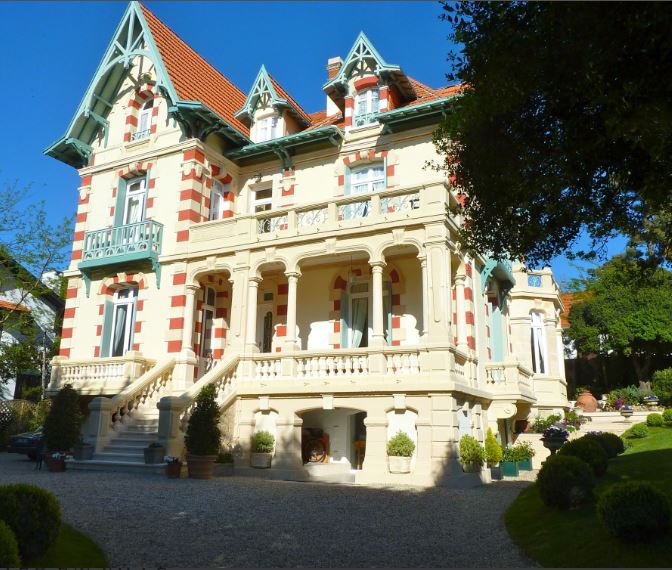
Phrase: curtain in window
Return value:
(360, 308)
(134, 210)
(540, 349)
(119, 338)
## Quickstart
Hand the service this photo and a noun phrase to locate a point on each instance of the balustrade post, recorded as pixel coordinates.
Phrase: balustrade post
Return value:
(55, 380)
(97, 427)
(292, 286)
(425, 297)
(252, 296)
(170, 435)
(183, 374)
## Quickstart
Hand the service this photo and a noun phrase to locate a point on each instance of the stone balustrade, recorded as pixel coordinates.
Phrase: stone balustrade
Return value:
(509, 378)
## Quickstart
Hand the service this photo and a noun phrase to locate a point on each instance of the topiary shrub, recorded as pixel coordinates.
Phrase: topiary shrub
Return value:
(634, 511)
(34, 516)
(9, 548)
(588, 450)
(667, 416)
(263, 442)
(64, 421)
(637, 431)
(661, 384)
(565, 481)
(400, 445)
(471, 451)
(654, 420)
(610, 442)
(493, 451)
(203, 434)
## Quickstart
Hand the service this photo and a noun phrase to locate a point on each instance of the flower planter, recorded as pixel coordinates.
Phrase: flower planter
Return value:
(154, 455)
(223, 469)
(496, 473)
(399, 464)
(626, 413)
(586, 401)
(509, 469)
(471, 467)
(553, 443)
(260, 460)
(651, 404)
(83, 451)
(54, 465)
(174, 469)
(201, 466)
(525, 464)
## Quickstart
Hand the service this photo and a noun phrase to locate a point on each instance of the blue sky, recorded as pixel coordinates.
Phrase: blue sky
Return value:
(50, 51)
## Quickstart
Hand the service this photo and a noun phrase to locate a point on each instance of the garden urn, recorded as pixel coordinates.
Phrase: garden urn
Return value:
(553, 443)
(399, 464)
(260, 460)
(586, 402)
(626, 412)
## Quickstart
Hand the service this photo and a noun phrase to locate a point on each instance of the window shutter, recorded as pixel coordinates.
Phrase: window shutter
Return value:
(345, 309)
(135, 310)
(106, 334)
(121, 203)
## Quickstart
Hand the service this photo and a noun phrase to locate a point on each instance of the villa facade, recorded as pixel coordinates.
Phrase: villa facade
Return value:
(305, 264)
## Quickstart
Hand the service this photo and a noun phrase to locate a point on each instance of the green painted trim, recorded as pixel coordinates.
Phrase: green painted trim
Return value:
(189, 110)
(106, 334)
(261, 84)
(496, 337)
(121, 202)
(503, 271)
(117, 259)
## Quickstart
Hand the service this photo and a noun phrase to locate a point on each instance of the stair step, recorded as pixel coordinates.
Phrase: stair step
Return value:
(124, 466)
(137, 434)
(117, 456)
(124, 447)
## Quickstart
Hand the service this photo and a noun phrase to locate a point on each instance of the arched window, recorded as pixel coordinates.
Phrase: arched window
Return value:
(144, 120)
(538, 344)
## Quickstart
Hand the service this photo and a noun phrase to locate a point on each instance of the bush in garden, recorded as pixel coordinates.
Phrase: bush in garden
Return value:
(661, 384)
(471, 451)
(610, 442)
(64, 420)
(637, 431)
(588, 450)
(400, 445)
(493, 451)
(9, 548)
(34, 516)
(203, 434)
(635, 511)
(667, 416)
(565, 481)
(654, 420)
(263, 442)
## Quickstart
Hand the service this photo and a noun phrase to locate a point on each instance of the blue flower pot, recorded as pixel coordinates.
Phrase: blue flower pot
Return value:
(525, 464)
(509, 469)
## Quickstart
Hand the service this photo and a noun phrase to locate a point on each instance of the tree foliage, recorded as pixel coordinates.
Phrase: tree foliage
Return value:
(626, 309)
(563, 126)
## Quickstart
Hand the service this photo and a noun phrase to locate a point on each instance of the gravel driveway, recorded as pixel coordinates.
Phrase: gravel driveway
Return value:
(147, 520)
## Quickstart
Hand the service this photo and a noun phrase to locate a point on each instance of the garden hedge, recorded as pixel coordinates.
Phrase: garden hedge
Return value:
(565, 481)
(588, 450)
(9, 548)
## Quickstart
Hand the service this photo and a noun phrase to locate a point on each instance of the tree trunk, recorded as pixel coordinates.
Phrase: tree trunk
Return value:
(641, 364)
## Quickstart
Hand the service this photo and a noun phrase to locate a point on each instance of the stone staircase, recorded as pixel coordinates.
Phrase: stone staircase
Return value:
(124, 451)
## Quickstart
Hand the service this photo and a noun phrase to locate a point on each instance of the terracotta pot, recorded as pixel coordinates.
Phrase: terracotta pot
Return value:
(174, 470)
(54, 465)
(587, 402)
(201, 466)
(399, 464)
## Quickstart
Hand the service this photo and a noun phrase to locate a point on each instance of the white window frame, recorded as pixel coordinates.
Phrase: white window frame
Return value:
(367, 102)
(144, 120)
(366, 178)
(539, 347)
(260, 203)
(268, 128)
(207, 306)
(217, 200)
(141, 193)
(130, 301)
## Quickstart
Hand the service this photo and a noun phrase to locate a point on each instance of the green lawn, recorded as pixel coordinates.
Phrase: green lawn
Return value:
(72, 549)
(576, 538)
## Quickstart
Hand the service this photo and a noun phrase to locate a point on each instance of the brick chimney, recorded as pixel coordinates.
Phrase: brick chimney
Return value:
(333, 67)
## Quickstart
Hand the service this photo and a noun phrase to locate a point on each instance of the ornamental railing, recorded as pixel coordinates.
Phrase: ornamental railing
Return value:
(364, 119)
(509, 378)
(138, 240)
(138, 135)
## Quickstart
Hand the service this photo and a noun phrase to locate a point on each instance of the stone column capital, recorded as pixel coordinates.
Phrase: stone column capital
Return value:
(377, 266)
(293, 275)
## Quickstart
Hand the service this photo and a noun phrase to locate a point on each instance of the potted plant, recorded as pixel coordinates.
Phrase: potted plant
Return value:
(626, 411)
(83, 451)
(154, 453)
(62, 427)
(523, 453)
(651, 400)
(203, 435)
(400, 449)
(554, 438)
(224, 464)
(509, 464)
(493, 455)
(173, 467)
(262, 450)
(472, 454)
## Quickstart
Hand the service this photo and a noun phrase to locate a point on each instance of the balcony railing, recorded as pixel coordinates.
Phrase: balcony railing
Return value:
(140, 135)
(364, 119)
(509, 378)
(130, 242)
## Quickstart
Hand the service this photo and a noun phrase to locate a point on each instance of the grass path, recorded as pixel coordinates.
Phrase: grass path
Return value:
(72, 549)
(576, 538)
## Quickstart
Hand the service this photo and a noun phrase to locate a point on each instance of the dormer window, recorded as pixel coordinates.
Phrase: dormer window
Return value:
(366, 106)
(144, 121)
(268, 128)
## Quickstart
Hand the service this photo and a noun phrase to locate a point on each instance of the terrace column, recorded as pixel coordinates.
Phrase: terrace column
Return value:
(252, 291)
(378, 337)
(292, 285)
(459, 309)
(188, 328)
(183, 373)
(425, 296)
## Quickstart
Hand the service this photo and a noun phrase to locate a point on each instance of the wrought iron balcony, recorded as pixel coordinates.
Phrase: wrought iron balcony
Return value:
(139, 135)
(364, 119)
(121, 244)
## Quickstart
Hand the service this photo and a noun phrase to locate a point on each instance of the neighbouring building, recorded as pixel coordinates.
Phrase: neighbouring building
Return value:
(305, 264)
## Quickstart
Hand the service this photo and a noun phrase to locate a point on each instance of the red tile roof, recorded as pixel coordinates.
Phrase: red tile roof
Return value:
(284, 95)
(13, 306)
(193, 77)
(569, 299)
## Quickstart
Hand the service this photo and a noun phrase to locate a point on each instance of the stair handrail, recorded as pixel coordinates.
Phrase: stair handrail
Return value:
(135, 394)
